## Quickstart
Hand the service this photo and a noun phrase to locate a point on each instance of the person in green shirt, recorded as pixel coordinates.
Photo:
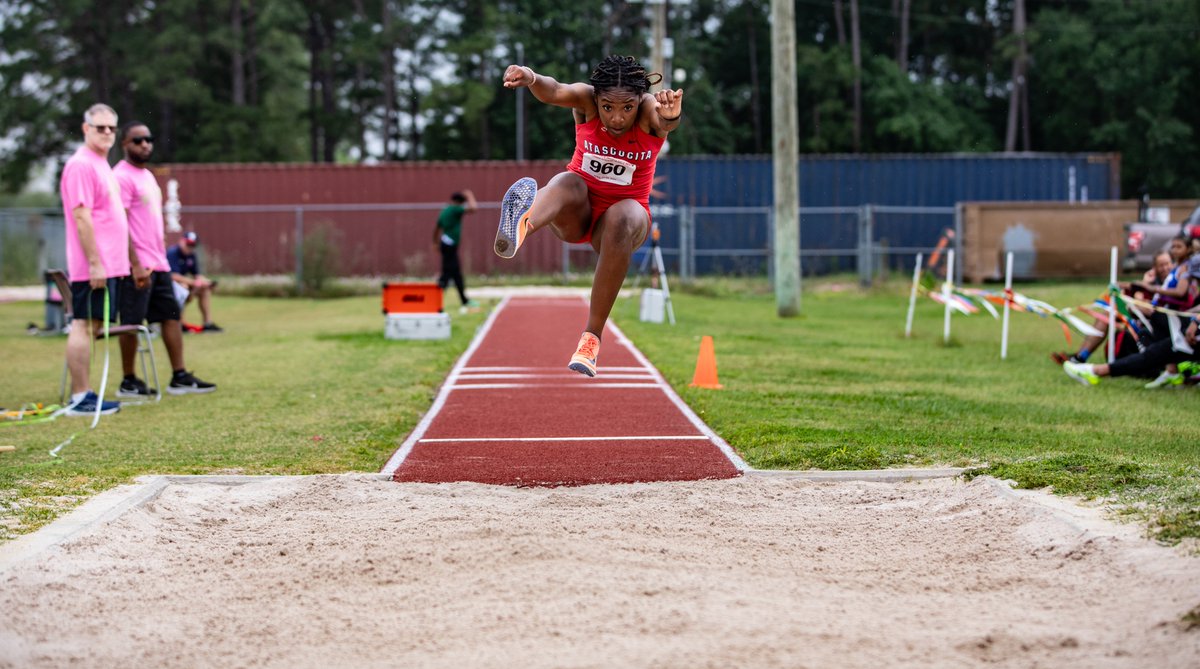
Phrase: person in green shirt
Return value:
(446, 235)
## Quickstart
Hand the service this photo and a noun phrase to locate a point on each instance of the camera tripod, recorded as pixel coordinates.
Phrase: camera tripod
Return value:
(657, 272)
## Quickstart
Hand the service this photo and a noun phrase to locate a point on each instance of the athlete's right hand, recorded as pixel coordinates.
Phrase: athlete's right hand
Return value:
(518, 76)
(97, 276)
(141, 276)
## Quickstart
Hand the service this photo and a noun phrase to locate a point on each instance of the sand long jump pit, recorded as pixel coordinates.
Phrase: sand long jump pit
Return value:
(355, 571)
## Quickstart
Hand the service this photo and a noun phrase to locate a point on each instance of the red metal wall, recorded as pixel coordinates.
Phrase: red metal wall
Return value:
(382, 243)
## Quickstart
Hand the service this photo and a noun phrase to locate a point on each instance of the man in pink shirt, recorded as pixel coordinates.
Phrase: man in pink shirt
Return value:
(98, 250)
(142, 199)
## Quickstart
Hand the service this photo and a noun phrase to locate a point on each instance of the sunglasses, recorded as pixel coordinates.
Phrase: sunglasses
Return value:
(142, 140)
(104, 128)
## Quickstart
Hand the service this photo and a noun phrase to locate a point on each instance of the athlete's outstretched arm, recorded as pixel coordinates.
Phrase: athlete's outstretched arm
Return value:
(667, 106)
(548, 90)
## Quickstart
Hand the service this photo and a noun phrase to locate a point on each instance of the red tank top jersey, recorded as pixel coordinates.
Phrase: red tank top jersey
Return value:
(615, 169)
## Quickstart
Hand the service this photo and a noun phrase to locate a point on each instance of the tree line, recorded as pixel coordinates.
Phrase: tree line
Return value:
(386, 80)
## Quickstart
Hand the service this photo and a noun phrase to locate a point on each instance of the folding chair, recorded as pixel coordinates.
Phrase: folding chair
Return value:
(144, 349)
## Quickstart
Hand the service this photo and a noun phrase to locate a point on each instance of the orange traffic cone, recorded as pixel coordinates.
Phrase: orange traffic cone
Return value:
(706, 366)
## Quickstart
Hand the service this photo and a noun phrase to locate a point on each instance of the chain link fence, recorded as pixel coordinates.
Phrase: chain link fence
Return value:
(396, 239)
(31, 241)
(870, 240)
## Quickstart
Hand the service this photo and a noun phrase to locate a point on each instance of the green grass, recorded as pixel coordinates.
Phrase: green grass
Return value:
(305, 387)
(841, 388)
(312, 387)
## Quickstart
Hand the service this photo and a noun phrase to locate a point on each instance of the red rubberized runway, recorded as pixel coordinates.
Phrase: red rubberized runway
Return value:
(510, 412)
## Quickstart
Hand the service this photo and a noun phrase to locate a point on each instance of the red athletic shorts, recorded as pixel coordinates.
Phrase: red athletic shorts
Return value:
(600, 204)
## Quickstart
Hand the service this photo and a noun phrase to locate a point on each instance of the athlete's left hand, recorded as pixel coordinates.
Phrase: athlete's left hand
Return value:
(670, 104)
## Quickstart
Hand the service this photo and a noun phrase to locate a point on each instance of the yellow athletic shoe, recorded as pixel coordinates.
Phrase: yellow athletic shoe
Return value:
(1081, 372)
(514, 217)
(1166, 379)
(584, 360)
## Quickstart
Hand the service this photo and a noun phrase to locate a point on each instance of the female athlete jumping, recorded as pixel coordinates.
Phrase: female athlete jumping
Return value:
(604, 196)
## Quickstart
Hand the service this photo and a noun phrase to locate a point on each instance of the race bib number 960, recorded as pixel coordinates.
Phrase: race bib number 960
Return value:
(610, 169)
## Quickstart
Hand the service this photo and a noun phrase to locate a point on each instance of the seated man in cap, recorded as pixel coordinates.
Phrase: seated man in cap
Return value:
(189, 282)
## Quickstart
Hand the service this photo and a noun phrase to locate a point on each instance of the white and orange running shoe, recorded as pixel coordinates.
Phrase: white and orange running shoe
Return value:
(514, 217)
(584, 360)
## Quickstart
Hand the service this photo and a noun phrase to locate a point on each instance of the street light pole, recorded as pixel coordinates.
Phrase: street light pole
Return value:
(520, 107)
(659, 25)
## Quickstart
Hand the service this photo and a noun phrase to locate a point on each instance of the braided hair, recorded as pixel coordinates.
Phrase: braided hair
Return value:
(622, 72)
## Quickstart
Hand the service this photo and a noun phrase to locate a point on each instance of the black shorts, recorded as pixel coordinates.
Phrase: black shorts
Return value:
(88, 304)
(154, 303)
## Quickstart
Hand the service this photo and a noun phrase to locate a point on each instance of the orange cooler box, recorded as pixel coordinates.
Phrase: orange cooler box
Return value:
(412, 298)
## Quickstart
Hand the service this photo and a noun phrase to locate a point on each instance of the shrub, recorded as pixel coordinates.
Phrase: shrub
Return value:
(321, 252)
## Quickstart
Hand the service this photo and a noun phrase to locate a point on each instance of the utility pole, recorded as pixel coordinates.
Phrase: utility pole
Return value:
(786, 157)
(1018, 101)
(661, 47)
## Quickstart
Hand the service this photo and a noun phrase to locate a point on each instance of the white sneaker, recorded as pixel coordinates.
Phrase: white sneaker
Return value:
(1165, 379)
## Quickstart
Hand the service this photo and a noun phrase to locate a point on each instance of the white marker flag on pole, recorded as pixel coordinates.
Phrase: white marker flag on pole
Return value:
(1007, 298)
(912, 296)
(946, 293)
(1112, 307)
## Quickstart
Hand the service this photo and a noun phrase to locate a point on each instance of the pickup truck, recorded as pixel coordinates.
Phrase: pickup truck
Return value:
(1143, 240)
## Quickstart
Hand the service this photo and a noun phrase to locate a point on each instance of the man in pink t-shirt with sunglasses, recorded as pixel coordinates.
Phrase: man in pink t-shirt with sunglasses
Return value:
(155, 302)
(98, 250)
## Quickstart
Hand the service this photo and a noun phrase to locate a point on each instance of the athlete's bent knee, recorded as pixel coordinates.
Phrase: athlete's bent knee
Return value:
(625, 226)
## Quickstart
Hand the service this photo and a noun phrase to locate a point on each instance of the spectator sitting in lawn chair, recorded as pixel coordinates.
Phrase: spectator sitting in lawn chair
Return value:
(1157, 274)
(189, 282)
(1178, 291)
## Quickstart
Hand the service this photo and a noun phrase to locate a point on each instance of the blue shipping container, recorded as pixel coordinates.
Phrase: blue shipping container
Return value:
(728, 241)
(917, 180)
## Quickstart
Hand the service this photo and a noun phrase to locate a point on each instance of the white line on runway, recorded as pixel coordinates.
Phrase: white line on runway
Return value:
(582, 384)
(648, 437)
(535, 369)
(560, 376)
(401, 453)
(452, 383)
(541, 303)
(734, 459)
